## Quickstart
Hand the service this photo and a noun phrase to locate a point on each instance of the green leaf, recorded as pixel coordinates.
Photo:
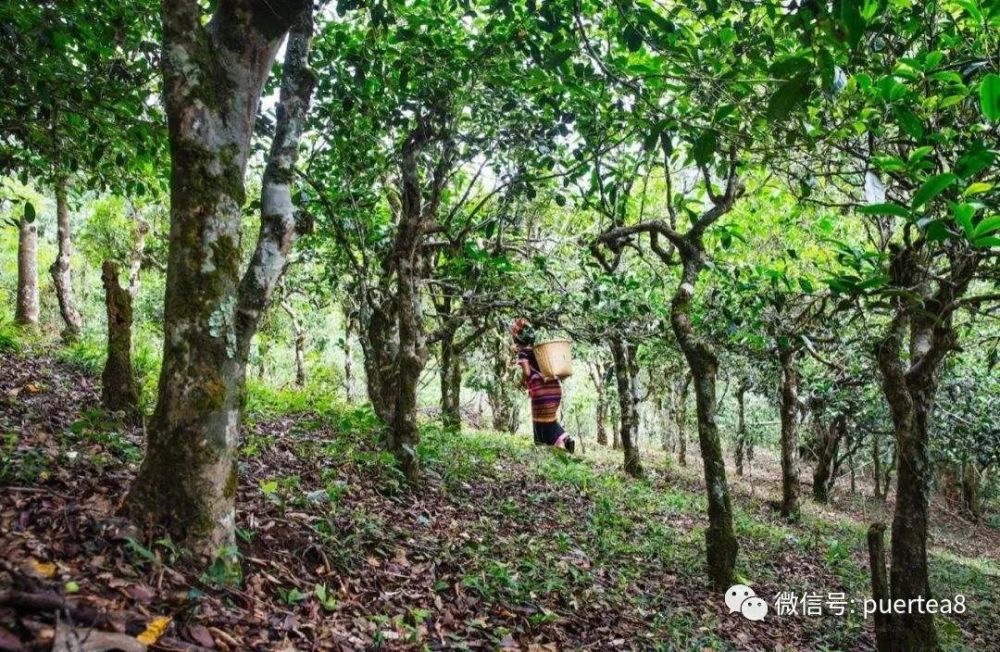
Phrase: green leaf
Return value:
(971, 7)
(723, 112)
(963, 217)
(910, 123)
(848, 14)
(885, 209)
(789, 94)
(632, 37)
(989, 96)
(977, 188)
(951, 100)
(789, 67)
(932, 188)
(973, 162)
(987, 226)
(988, 241)
(29, 212)
(937, 231)
(651, 139)
(947, 77)
(889, 163)
(704, 147)
(806, 285)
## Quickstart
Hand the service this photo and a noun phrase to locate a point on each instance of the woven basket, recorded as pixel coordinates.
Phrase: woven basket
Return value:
(555, 360)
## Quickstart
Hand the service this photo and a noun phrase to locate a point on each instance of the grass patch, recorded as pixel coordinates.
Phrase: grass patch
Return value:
(264, 401)
(11, 337)
(86, 354)
(89, 353)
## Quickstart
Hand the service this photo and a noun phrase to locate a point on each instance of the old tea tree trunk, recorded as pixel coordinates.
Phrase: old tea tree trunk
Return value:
(61, 269)
(27, 309)
(789, 430)
(119, 390)
(626, 375)
(922, 328)
(451, 378)
(720, 538)
(391, 312)
(688, 247)
(213, 76)
(741, 426)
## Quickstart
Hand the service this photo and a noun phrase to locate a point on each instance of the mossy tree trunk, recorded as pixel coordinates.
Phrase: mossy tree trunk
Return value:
(214, 73)
(688, 248)
(377, 334)
(971, 505)
(880, 586)
(459, 323)
(350, 319)
(411, 356)
(501, 392)
(720, 538)
(299, 335)
(616, 427)
(26, 311)
(789, 430)
(626, 376)
(392, 331)
(663, 421)
(451, 381)
(597, 374)
(876, 466)
(828, 439)
(119, 390)
(680, 415)
(741, 427)
(61, 270)
(137, 251)
(923, 328)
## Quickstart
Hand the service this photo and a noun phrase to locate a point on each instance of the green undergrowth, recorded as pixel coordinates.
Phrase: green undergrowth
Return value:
(571, 530)
(89, 353)
(265, 401)
(19, 339)
(542, 526)
(630, 530)
(10, 338)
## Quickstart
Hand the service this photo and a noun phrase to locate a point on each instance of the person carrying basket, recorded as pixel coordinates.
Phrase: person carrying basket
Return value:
(545, 393)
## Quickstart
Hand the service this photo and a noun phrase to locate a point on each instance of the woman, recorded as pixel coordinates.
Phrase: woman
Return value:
(546, 394)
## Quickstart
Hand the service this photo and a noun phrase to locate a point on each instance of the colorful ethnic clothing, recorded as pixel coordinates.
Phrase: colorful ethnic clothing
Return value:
(545, 394)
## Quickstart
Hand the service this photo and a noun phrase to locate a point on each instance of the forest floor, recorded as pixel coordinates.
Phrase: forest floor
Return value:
(759, 491)
(504, 546)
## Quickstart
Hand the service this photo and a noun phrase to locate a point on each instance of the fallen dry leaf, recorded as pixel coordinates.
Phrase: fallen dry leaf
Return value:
(154, 630)
(42, 569)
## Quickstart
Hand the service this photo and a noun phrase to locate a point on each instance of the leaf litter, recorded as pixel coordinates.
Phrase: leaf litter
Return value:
(334, 554)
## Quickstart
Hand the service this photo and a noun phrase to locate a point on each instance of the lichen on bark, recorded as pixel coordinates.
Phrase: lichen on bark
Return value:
(214, 74)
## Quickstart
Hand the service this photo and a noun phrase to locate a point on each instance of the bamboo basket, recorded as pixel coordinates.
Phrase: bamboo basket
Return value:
(555, 360)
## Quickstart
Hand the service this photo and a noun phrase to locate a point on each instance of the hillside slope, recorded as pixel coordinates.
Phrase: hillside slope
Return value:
(504, 547)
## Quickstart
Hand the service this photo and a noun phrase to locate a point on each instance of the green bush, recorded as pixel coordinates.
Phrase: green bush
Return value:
(86, 353)
(10, 338)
